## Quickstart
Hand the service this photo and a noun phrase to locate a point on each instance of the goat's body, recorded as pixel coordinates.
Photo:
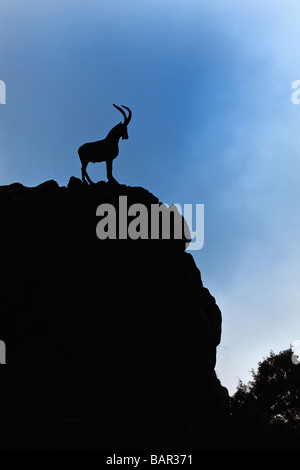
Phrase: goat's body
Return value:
(99, 151)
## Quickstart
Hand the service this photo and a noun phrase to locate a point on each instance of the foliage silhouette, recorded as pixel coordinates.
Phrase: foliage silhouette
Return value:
(266, 411)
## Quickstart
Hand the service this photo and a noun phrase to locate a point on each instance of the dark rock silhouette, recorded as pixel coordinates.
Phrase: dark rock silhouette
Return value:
(111, 344)
(105, 150)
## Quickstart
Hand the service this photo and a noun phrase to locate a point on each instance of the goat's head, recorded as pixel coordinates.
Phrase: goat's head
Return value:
(124, 133)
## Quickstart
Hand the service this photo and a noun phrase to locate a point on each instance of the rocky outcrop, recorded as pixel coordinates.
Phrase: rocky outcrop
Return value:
(110, 343)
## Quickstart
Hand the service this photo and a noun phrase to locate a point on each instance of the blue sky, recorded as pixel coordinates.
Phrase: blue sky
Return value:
(209, 85)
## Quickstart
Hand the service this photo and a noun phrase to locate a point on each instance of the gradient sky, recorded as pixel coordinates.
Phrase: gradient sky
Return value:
(209, 85)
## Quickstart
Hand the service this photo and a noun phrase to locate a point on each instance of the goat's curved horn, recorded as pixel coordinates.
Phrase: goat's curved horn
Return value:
(121, 111)
(129, 114)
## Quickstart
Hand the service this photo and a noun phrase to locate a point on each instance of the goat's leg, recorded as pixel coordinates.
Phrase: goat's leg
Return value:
(109, 165)
(85, 176)
(88, 178)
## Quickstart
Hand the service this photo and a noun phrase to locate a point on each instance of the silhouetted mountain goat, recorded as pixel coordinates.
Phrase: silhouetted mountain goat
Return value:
(105, 150)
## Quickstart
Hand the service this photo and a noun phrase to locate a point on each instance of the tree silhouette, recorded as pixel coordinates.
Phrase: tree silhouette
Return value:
(274, 390)
(266, 411)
